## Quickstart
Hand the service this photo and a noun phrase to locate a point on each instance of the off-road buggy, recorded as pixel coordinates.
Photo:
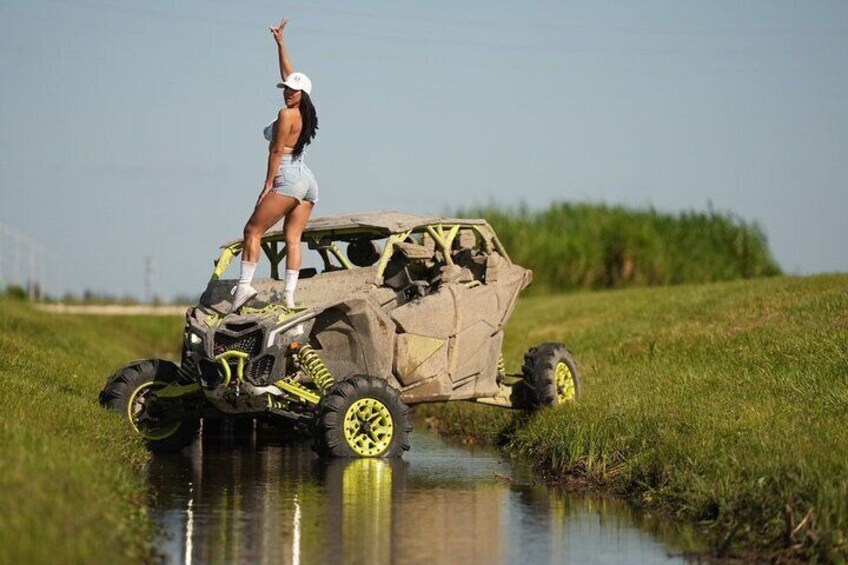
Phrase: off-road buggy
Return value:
(403, 309)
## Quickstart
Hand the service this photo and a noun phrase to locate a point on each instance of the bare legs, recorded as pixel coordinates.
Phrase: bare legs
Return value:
(293, 229)
(268, 211)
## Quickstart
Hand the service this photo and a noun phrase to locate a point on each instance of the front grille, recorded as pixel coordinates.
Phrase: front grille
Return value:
(261, 368)
(236, 327)
(249, 343)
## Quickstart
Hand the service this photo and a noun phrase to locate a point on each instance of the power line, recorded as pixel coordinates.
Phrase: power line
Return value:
(412, 39)
(559, 28)
(36, 256)
(256, 27)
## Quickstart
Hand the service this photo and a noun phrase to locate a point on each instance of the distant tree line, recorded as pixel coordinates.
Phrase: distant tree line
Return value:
(92, 297)
(577, 246)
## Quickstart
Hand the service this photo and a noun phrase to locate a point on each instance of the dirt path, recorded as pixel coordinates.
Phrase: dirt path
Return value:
(113, 309)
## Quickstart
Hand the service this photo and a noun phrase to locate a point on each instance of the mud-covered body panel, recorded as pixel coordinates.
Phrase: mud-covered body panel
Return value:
(356, 338)
(321, 290)
(467, 317)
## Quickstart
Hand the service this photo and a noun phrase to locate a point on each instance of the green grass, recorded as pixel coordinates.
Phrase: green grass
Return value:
(725, 405)
(71, 488)
(582, 246)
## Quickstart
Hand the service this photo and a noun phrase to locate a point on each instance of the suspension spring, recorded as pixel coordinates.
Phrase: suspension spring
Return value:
(315, 368)
(501, 365)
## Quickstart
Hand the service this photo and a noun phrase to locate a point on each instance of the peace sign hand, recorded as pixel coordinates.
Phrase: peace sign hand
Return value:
(277, 32)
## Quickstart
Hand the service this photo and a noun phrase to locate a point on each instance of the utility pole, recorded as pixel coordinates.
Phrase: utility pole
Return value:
(31, 277)
(17, 267)
(42, 272)
(60, 278)
(148, 278)
(1, 256)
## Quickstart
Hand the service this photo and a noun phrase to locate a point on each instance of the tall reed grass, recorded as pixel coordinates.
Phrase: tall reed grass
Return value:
(574, 246)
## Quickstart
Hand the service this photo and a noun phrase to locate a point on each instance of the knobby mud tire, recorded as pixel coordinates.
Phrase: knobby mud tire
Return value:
(539, 387)
(329, 426)
(126, 380)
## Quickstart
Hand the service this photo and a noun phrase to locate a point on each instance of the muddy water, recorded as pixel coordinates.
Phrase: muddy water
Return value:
(260, 498)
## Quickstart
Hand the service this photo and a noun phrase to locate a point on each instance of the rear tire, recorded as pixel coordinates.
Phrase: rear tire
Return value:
(550, 378)
(362, 417)
(134, 383)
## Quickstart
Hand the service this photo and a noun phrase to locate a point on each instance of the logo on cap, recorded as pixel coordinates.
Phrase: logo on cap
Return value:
(297, 81)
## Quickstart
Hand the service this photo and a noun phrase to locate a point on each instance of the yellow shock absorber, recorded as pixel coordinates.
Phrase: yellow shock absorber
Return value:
(315, 368)
(501, 365)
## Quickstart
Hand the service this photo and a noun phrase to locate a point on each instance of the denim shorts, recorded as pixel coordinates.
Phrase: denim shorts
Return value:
(296, 180)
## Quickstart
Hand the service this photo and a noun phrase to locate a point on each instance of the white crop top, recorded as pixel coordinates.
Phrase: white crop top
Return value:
(268, 132)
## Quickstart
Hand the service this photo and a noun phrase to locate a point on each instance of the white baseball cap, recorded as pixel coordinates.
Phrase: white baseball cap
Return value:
(297, 81)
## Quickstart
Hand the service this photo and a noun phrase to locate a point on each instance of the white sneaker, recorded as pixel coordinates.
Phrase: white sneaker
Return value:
(242, 295)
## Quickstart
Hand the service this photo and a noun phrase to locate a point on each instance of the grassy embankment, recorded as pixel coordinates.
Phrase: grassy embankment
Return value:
(581, 246)
(71, 489)
(725, 405)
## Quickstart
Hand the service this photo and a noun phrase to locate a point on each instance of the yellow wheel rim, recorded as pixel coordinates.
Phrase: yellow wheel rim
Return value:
(368, 427)
(135, 409)
(564, 383)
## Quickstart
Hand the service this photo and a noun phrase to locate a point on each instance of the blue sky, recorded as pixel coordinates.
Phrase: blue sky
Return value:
(132, 129)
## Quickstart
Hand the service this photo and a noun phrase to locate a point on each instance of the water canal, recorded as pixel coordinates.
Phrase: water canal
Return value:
(258, 497)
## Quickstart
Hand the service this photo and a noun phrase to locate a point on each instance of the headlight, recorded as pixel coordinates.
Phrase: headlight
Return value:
(294, 332)
(289, 335)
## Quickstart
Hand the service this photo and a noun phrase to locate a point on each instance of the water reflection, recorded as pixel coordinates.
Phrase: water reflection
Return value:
(261, 498)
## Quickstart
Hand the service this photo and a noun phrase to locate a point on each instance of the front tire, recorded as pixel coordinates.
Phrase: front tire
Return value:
(129, 391)
(550, 378)
(362, 417)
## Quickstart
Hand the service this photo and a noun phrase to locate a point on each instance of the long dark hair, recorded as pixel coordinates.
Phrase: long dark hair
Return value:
(310, 124)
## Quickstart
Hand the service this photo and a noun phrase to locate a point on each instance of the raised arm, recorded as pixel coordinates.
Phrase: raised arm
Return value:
(282, 55)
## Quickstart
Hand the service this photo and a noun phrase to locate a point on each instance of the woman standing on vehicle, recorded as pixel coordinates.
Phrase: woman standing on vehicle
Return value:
(290, 189)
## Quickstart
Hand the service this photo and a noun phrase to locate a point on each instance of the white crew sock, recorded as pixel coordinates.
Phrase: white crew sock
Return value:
(291, 284)
(248, 268)
(243, 292)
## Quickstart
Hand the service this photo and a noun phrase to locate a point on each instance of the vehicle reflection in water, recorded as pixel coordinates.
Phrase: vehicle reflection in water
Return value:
(260, 498)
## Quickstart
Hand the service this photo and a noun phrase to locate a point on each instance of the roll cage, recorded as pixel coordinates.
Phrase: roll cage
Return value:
(440, 236)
